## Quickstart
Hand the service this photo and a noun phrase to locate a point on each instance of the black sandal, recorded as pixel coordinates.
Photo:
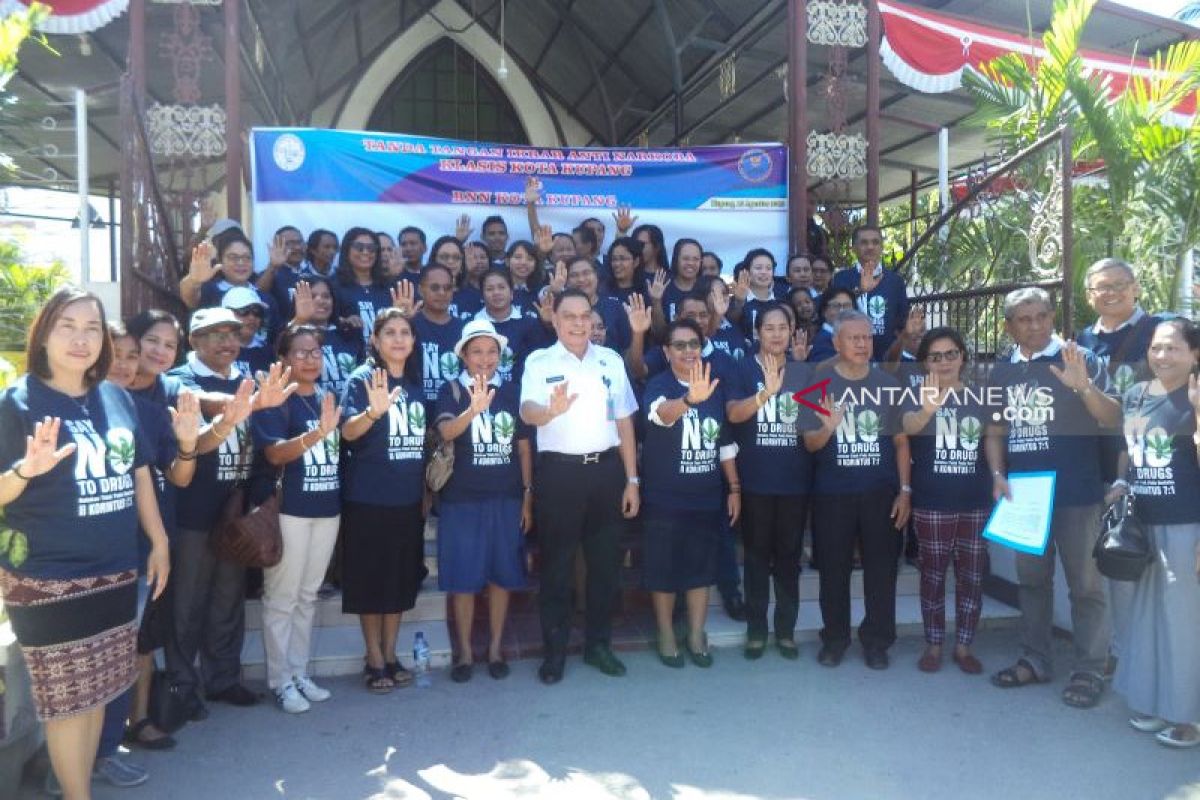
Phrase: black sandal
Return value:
(399, 675)
(1010, 677)
(377, 680)
(754, 649)
(788, 649)
(133, 737)
(1083, 690)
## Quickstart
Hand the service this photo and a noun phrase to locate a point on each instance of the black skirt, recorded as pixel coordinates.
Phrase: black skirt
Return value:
(679, 549)
(383, 562)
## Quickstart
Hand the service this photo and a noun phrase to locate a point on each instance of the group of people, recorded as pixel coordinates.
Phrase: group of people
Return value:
(582, 390)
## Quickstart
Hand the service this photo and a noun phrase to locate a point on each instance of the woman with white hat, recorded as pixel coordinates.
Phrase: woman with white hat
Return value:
(487, 504)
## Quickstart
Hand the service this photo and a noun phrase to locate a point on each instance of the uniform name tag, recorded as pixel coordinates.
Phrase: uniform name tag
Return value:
(554, 378)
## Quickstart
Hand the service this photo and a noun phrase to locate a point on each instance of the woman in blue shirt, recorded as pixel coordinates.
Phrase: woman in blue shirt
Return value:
(527, 275)
(74, 487)
(301, 439)
(383, 424)
(1159, 669)
(833, 302)
(342, 347)
(776, 472)
(363, 288)
(625, 261)
(487, 505)
(951, 494)
(523, 334)
(685, 453)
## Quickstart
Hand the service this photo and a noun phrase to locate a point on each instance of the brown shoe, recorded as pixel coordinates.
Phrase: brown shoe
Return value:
(968, 664)
(929, 662)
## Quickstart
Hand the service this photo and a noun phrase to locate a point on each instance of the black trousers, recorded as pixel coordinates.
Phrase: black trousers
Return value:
(578, 504)
(772, 527)
(838, 521)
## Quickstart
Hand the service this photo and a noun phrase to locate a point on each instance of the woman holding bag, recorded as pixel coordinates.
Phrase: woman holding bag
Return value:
(301, 437)
(1159, 669)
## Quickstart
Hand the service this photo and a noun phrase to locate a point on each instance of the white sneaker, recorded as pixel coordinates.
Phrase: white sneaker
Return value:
(288, 698)
(1147, 723)
(309, 689)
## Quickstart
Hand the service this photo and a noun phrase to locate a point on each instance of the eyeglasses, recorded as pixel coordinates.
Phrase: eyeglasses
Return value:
(220, 337)
(839, 306)
(364, 247)
(684, 346)
(315, 354)
(949, 356)
(439, 287)
(236, 258)
(1110, 288)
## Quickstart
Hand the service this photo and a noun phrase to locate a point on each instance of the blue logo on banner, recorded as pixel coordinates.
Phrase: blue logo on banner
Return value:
(755, 165)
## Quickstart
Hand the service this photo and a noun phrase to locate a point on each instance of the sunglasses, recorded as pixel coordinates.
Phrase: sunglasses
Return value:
(684, 346)
(364, 247)
(948, 356)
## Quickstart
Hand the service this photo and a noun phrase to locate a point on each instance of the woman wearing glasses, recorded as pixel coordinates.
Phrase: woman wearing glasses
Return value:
(687, 449)
(834, 301)
(951, 494)
(225, 263)
(436, 328)
(363, 288)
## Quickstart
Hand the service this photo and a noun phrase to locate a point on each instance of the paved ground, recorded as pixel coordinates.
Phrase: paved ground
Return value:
(772, 729)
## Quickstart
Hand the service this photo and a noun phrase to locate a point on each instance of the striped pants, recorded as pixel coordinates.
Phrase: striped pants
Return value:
(947, 537)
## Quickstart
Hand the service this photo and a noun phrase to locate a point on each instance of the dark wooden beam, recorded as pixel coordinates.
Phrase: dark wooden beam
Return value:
(233, 110)
(797, 62)
(874, 65)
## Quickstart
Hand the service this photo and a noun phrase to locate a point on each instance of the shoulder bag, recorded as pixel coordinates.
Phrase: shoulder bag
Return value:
(441, 458)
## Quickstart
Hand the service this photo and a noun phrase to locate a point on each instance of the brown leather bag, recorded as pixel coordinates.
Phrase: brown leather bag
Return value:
(250, 538)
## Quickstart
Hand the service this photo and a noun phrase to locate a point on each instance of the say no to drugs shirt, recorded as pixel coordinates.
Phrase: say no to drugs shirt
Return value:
(310, 483)
(1163, 472)
(385, 466)
(681, 463)
(78, 519)
(949, 471)
(860, 455)
(486, 462)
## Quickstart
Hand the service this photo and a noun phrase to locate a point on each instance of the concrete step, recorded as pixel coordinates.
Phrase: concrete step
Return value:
(338, 650)
(431, 603)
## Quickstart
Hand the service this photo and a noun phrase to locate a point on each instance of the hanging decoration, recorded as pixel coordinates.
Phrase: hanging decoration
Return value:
(837, 156)
(728, 77)
(71, 16)
(837, 23)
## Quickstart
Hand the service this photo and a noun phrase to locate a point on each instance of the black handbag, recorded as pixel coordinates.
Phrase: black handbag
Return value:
(170, 707)
(1124, 546)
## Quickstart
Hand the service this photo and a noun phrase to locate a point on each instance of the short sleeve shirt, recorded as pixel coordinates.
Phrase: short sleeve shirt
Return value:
(949, 471)
(385, 466)
(604, 396)
(1163, 472)
(439, 363)
(341, 354)
(771, 456)
(486, 462)
(79, 519)
(681, 463)
(363, 302)
(860, 456)
(311, 488)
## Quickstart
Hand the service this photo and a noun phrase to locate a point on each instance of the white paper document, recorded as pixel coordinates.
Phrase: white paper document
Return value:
(1023, 523)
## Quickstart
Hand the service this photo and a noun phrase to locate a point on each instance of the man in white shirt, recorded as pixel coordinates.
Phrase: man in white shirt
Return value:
(578, 397)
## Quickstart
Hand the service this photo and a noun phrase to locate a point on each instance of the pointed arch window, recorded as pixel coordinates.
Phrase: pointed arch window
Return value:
(445, 92)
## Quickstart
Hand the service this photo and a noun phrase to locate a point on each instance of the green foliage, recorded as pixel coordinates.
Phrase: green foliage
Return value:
(24, 287)
(15, 28)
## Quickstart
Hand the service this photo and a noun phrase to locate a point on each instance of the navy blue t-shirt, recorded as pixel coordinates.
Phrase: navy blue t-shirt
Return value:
(822, 345)
(616, 323)
(950, 471)
(523, 300)
(524, 334)
(771, 456)
(750, 311)
(860, 456)
(363, 302)
(729, 340)
(342, 353)
(385, 466)
(310, 483)
(79, 519)
(886, 305)
(1130, 343)
(672, 296)
(681, 465)
(283, 287)
(200, 503)
(1163, 472)
(159, 436)
(440, 364)
(622, 293)
(486, 463)
(254, 359)
(468, 301)
(1051, 429)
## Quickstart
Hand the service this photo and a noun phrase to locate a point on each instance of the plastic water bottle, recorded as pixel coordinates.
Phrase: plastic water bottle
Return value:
(421, 658)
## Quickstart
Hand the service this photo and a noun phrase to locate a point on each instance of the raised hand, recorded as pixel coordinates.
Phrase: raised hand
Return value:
(933, 395)
(560, 401)
(202, 267)
(1074, 369)
(800, 346)
(352, 321)
(701, 384)
(543, 239)
(741, 287)
(481, 395)
(463, 229)
(331, 414)
(914, 326)
(623, 219)
(657, 287)
(772, 367)
(559, 281)
(639, 315)
(41, 451)
(185, 420)
(303, 302)
(533, 190)
(274, 387)
(379, 399)
(868, 280)
(277, 254)
(239, 407)
(404, 298)
(719, 301)
(836, 413)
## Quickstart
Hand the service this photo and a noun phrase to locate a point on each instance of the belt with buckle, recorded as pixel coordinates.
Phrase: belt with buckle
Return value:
(580, 458)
